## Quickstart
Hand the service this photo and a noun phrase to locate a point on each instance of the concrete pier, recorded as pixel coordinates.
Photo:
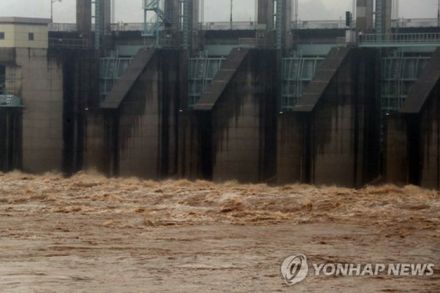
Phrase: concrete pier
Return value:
(235, 118)
(422, 117)
(42, 93)
(139, 118)
(333, 134)
(10, 142)
(84, 16)
(364, 15)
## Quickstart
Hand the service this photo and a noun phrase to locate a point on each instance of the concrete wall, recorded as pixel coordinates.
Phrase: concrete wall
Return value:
(106, 10)
(291, 148)
(10, 142)
(190, 146)
(421, 122)
(147, 134)
(345, 125)
(412, 150)
(42, 95)
(84, 16)
(383, 20)
(231, 136)
(265, 12)
(99, 146)
(430, 141)
(336, 143)
(17, 36)
(339, 138)
(396, 159)
(267, 25)
(242, 123)
(80, 97)
(51, 86)
(172, 13)
(364, 15)
(9, 39)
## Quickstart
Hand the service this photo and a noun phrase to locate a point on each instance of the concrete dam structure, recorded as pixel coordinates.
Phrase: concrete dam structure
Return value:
(332, 133)
(275, 100)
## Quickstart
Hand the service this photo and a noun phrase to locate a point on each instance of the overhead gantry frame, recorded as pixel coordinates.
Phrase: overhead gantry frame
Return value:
(153, 30)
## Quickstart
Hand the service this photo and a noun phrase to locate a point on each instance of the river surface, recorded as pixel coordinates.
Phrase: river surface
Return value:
(88, 233)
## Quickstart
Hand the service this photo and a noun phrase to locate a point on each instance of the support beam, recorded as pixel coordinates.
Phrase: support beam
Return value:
(383, 17)
(283, 20)
(106, 15)
(438, 14)
(364, 15)
(103, 12)
(276, 16)
(189, 14)
(265, 14)
(172, 10)
(172, 23)
(84, 16)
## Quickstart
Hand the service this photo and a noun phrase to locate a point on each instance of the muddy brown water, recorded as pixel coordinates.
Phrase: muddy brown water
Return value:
(92, 234)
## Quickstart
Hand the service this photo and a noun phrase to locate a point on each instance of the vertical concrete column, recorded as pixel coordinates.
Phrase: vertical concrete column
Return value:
(195, 24)
(84, 16)
(287, 24)
(396, 160)
(283, 19)
(44, 96)
(383, 16)
(364, 15)
(388, 11)
(291, 148)
(102, 22)
(172, 14)
(265, 23)
(189, 13)
(195, 13)
(106, 15)
(265, 13)
(275, 15)
(172, 22)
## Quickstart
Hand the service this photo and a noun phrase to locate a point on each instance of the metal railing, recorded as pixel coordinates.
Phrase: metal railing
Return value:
(297, 72)
(116, 27)
(399, 38)
(10, 101)
(111, 69)
(63, 43)
(319, 24)
(414, 22)
(252, 25)
(62, 27)
(225, 25)
(399, 71)
(202, 71)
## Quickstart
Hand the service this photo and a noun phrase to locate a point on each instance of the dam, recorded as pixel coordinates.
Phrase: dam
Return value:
(275, 100)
